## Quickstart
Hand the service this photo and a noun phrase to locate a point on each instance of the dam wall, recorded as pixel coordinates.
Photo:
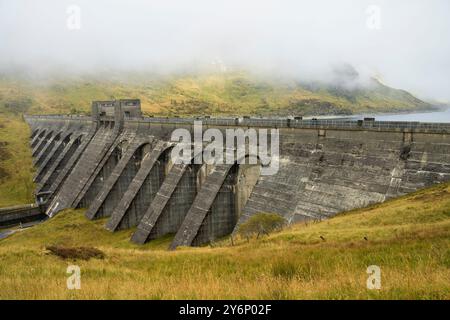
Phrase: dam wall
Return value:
(117, 165)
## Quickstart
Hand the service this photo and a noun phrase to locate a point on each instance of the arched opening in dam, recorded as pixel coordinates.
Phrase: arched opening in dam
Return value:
(35, 132)
(42, 143)
(171, 216)
(48, 149)
(68, 154)
(38, 138)
(132, 215)
(53, 157)
(127, 170)
(104, 173)
(229, 203)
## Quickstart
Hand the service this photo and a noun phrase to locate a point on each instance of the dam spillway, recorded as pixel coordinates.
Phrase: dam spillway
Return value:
(116, 164)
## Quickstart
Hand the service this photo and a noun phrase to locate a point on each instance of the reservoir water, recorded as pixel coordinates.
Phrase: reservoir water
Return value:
(438, 116)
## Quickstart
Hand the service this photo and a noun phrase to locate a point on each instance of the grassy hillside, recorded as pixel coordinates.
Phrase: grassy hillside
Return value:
(408, 238)
(234, 93)
(16, 164)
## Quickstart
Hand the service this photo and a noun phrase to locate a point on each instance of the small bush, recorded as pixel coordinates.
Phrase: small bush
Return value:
(83, 253)
(261, 223)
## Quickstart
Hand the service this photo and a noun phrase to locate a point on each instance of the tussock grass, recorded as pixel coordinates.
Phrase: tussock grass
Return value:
(408, 238)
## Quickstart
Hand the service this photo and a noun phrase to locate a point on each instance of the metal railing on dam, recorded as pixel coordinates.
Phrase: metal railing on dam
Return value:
(279, 123)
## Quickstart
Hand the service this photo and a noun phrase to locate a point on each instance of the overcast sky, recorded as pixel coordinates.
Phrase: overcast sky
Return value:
(405, 42)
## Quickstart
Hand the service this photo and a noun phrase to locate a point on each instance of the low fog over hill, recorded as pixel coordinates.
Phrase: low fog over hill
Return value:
(399, 41)
(216, 93)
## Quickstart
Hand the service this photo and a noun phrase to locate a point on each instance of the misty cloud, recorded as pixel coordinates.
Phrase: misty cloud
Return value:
(301, 39)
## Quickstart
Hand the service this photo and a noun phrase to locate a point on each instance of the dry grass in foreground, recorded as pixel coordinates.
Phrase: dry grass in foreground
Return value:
(409, 238)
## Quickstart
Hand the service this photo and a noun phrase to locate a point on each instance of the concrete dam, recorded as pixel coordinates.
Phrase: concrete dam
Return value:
(116, 164)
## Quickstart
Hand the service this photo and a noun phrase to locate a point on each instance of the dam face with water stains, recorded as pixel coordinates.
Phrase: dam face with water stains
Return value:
(117, 164)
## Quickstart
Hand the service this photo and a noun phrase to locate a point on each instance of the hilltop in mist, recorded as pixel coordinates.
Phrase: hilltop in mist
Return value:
(407, 46)
(215, 93)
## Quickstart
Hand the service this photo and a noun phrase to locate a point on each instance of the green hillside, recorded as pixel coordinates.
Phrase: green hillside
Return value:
(234, 93)
(408, 238)
(16, 163)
